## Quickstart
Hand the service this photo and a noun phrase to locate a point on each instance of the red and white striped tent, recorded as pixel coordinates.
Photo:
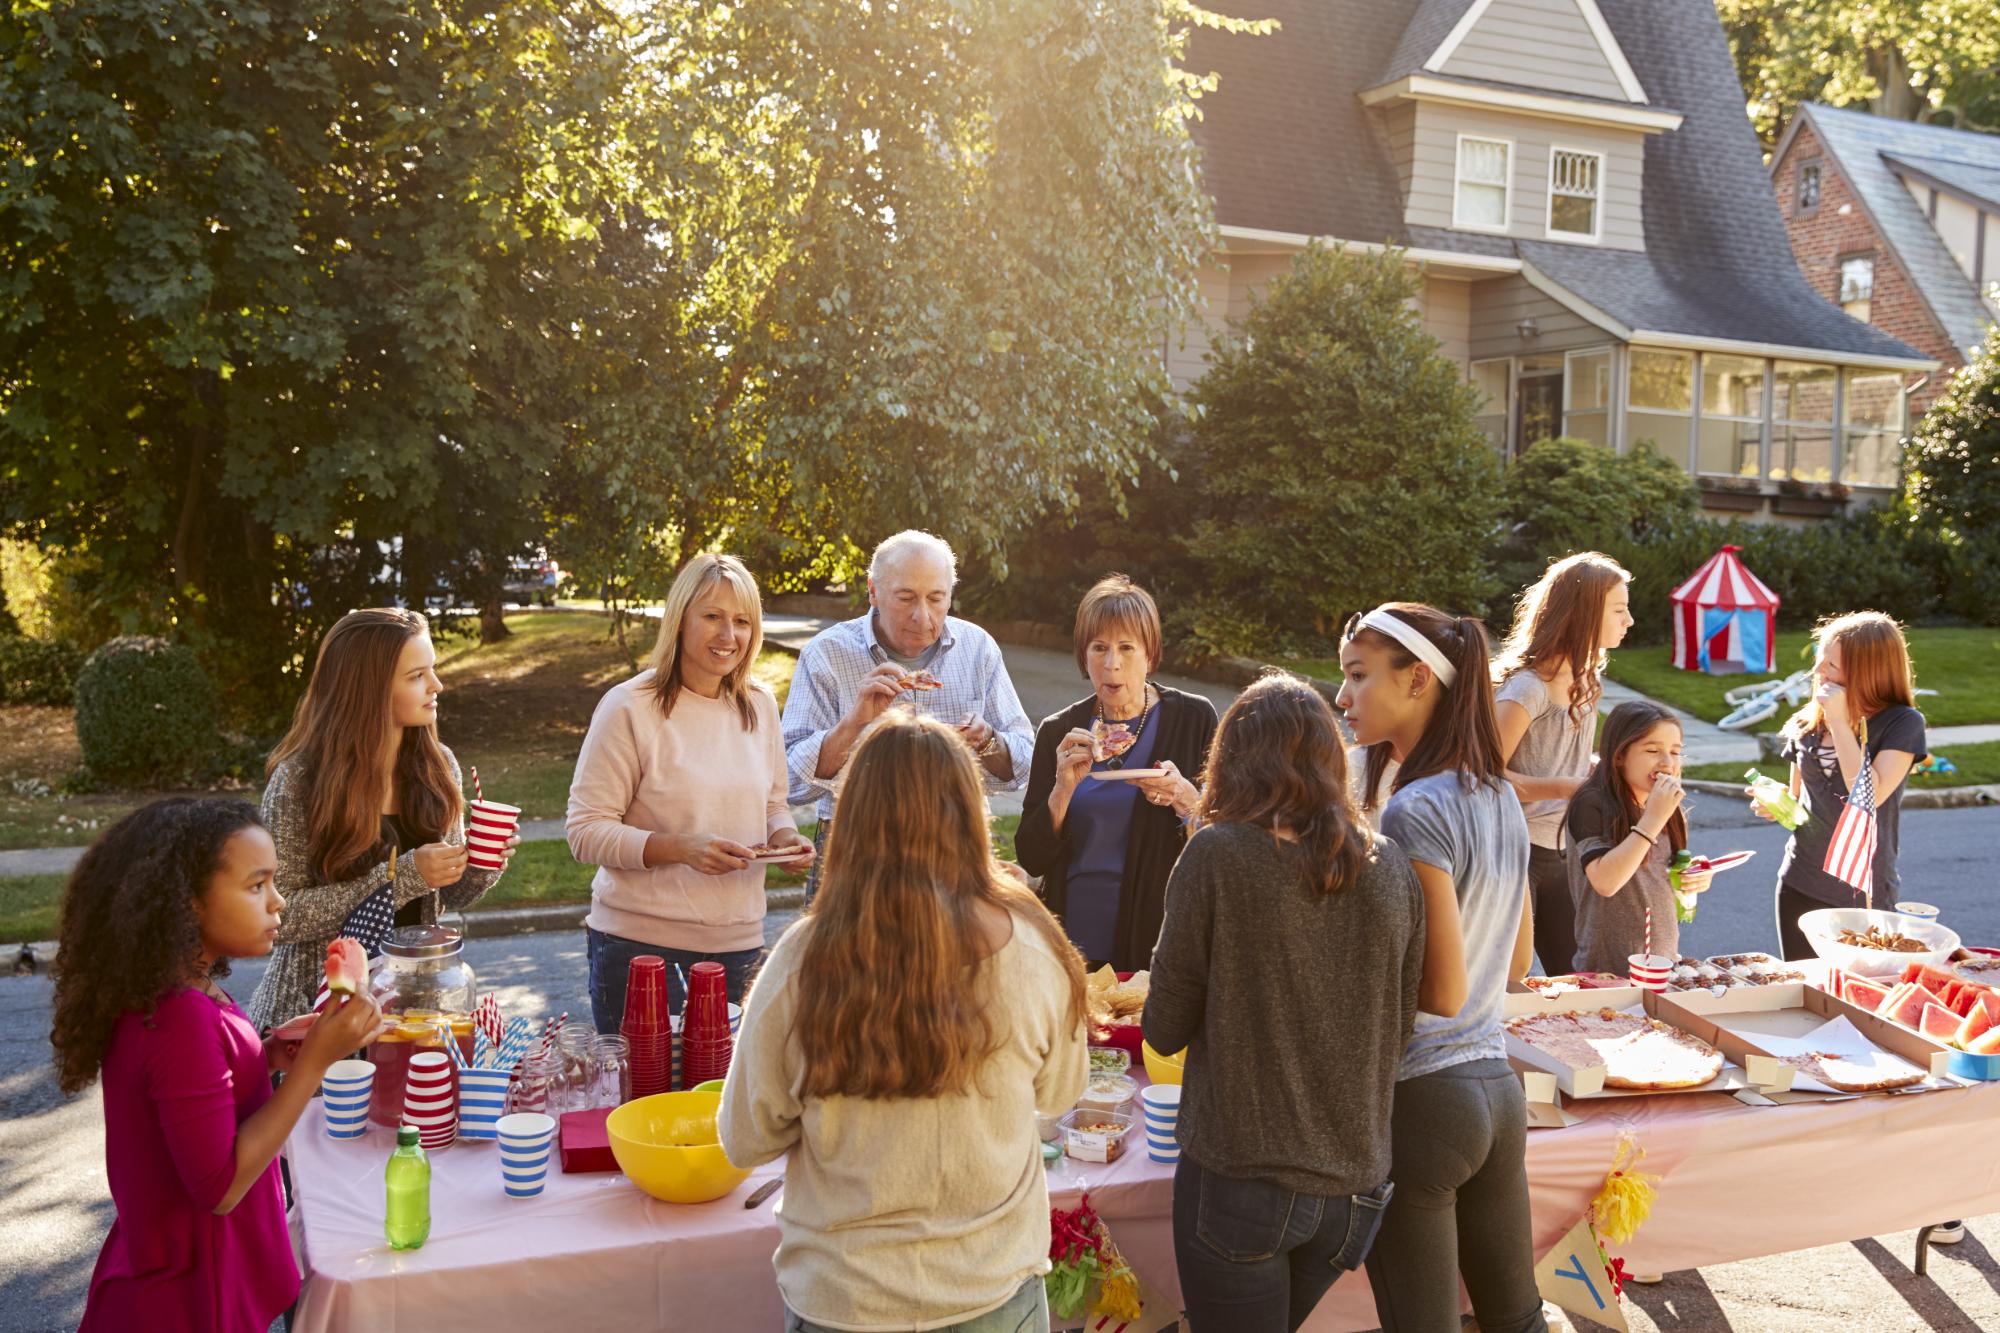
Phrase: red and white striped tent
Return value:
(1725, 619)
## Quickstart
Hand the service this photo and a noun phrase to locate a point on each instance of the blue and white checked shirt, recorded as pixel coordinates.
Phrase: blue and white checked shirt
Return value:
(828, 681)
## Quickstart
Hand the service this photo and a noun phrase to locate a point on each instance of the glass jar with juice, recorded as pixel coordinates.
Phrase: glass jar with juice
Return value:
(423, 983)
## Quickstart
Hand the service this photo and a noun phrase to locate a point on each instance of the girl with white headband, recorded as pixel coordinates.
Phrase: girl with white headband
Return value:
(1416, 694)
(1548, 680)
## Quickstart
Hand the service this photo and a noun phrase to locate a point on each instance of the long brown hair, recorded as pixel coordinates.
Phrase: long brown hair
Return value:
(1277, 759)
(1875, 659)
(696, 578)
(1560, 620)
(894, 1002)
(1626, 726)
(128, 932)
(337, 734)
(1462, 736)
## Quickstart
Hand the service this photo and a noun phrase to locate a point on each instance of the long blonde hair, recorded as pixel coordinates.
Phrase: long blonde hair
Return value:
(1560, 619)
(696, 578)
(337, 734)
(1874, 657)
(894, 1001)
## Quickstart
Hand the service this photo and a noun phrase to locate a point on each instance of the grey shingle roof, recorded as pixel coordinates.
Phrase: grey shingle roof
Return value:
(1860, 143)
(1982, 183)
(1430, 22)
(1287, 146)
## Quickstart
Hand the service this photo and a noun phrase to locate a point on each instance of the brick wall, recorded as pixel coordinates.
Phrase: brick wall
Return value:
(1822, 238)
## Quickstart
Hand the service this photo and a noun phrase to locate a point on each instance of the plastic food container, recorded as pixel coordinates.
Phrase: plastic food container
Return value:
(1822, 928)
(1097, 1136)
(1109, 1060)
(1108, 1092)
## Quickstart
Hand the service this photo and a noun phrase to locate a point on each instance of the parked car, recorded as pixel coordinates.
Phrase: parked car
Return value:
(531, 582)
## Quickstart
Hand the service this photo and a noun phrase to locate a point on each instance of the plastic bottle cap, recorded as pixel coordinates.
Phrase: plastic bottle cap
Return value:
(406, 1136)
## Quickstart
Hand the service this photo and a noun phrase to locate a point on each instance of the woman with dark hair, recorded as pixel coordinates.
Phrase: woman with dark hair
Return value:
(895, 1050)
(151, 917)
(1290, 967)
(1103, 845)
(361, 777)
(1416, 693)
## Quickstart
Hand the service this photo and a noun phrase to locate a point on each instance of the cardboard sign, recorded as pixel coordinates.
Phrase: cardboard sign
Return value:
(1574, 1278)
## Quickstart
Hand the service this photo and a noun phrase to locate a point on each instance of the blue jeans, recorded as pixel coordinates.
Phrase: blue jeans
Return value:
(611, 962)
(1254, 1256)
(1026, 1311)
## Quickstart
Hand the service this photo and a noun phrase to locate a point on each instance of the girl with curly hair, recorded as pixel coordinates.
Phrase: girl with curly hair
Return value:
(359, 778)
(151, 917)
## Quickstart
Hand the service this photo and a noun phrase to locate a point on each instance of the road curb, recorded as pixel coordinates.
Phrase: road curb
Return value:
(1914, 798)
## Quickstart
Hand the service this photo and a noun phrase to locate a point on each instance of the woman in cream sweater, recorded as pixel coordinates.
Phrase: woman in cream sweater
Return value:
(895, 1051)
(682, 774)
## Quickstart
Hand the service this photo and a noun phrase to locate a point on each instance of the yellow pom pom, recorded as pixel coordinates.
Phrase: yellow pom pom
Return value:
(1626, 1200)
(1118, 1296)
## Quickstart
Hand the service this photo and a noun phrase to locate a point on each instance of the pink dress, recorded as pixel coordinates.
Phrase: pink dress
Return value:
(177, 1083)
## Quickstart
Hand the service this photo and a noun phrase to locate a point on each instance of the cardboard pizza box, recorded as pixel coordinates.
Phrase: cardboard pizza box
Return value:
(1589, 1083)
(1545, 1108)
(1733, 1022)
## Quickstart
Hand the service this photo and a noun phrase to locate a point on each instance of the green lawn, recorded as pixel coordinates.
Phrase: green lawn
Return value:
(1976, 764)
(1962, 665)
(542, 873)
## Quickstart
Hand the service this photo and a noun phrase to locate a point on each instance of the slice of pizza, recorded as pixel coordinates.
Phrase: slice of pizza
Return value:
(1847, 1074)
(1108, 740)
(921, 680)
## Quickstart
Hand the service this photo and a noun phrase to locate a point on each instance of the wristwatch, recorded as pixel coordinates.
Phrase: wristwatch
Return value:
(991, 748)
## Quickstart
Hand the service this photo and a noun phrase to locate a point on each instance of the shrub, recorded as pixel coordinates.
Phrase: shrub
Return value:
(34, 672)
(145, 712)
(1952, 466)
(1340, 459)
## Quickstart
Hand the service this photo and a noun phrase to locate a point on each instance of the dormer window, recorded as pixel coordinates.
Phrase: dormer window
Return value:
(1485, 183)
(1574, 180)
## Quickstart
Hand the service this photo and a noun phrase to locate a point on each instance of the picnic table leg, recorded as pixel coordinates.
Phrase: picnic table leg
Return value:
(1923, 1264)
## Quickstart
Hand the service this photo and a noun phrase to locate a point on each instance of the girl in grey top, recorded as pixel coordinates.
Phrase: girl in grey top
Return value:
(1415, 691)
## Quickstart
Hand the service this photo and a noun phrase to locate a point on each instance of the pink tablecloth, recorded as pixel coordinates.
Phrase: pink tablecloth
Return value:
(593, 1252)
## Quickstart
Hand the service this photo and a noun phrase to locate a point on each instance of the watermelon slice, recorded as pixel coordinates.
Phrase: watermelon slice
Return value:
(1912, 972)
(1939, 1023)
(1948, 996)
(1864, 994)
(346, 967)
(1909, 1011)
(1986, 1043)
(1990, 1002)
(1976, 1023)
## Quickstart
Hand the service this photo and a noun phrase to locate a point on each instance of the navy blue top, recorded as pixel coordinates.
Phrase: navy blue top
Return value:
(1098, 826)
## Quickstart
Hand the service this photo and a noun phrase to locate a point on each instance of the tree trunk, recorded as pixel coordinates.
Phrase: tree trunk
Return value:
(492, 619)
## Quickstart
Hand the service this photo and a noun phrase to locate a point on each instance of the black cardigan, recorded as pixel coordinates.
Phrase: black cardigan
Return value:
(1186, 722)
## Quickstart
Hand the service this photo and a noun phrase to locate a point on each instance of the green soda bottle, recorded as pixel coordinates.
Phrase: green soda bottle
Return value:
(1777, 798)
(1683, 902)
(407, 1220)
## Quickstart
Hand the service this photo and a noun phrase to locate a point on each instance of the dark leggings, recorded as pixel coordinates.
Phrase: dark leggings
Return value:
(1460, 1207)
(1792, 905)
(1555, 913)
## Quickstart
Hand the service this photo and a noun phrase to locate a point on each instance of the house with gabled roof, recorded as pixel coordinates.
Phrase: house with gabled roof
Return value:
(1589, 208)
(1897, 222)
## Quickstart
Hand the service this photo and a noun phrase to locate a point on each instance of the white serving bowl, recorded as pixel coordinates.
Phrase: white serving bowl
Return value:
(1821, 927)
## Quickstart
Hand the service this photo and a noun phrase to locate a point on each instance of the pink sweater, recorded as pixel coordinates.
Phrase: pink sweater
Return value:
(698, 771)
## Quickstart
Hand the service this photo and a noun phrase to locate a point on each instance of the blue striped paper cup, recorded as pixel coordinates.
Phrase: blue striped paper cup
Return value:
(523, 1177)
(735, 1018)
(1170, 1152)
(347, 1124)
(527, 1141)
(482, 1100)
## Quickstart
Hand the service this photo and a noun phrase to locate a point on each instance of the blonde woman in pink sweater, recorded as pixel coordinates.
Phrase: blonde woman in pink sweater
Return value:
(683, 772)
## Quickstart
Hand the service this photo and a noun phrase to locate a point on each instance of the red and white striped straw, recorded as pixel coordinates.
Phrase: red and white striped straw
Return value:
(474, 771)
(1649, 933)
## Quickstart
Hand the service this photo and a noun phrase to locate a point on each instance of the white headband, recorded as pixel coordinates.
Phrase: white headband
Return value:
(1403, 632)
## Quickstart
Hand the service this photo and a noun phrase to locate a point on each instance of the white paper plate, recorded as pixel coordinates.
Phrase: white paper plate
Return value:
(1126, 774)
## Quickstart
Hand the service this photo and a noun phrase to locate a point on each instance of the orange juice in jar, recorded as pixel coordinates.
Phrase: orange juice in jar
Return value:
(415, 1031)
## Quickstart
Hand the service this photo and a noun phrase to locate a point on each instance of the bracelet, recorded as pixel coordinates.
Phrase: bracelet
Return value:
(1647, 836)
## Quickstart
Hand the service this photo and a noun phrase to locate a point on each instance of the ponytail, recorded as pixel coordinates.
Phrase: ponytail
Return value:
(1463, 735)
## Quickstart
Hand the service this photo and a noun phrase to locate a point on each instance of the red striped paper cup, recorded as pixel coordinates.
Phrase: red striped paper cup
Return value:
(1649, 970)
(488, 825)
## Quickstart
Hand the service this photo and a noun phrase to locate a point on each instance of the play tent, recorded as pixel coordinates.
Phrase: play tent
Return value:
(1725, 619)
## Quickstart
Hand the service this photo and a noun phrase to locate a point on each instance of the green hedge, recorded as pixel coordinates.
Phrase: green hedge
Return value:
(145, 713)
(34, 672)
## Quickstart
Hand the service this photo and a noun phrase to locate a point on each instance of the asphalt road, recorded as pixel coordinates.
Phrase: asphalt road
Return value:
(54, 1208)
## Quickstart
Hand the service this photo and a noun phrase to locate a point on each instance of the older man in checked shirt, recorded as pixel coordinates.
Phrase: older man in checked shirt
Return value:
(851, 673)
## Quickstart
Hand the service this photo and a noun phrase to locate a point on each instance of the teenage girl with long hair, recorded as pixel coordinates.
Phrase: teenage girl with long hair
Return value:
(1548, 676)
(1863, 712)
(1415, 692)
(362, 775)
(1290, 967)
(895, 1050)
(150, 919)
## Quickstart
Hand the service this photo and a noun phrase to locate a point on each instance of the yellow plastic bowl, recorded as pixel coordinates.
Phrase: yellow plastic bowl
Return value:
(1163, 1068)
(667, 1146)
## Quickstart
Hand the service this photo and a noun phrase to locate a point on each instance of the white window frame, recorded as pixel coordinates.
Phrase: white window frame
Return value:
(1596, 234)
(1505, 402)
(1457, 180)
(1570, 358)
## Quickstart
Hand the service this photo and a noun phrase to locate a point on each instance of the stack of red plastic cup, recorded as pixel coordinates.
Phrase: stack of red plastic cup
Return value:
(705, 1039)
(646, 1028)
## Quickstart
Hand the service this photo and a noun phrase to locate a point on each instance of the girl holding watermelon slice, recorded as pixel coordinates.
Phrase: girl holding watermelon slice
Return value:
(150, 919)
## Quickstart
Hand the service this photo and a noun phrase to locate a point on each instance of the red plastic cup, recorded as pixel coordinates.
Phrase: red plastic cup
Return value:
(645, 996)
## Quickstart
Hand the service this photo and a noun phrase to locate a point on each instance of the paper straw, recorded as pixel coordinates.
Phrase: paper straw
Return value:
(1649, 932)
(482, 1048)
(474, 770)
(486, 1015)
(682, 978)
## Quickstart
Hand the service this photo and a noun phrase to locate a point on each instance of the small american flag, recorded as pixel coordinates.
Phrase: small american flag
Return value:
(1850, 857)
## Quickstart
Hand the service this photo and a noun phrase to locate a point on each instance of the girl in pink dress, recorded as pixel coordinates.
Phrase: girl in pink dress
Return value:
(152, 915)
